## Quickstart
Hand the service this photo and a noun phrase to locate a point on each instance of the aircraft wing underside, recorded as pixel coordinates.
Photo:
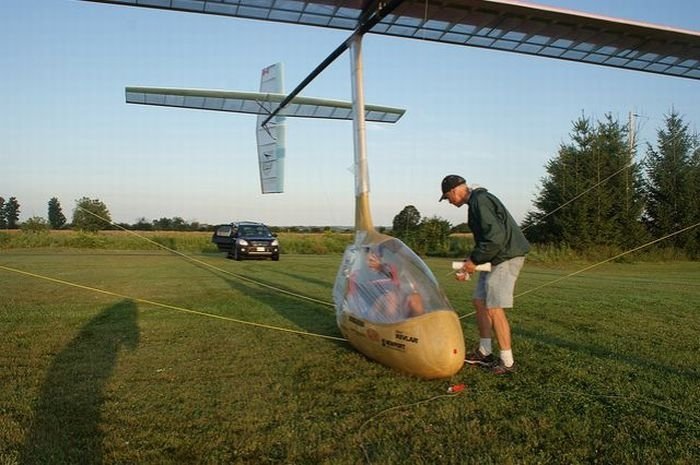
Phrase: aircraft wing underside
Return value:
(256, 103)
(506, 25)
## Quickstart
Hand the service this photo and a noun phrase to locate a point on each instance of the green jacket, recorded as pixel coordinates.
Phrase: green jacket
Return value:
(497, 236)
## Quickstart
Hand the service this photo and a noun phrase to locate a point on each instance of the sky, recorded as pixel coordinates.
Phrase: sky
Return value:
(494, 117)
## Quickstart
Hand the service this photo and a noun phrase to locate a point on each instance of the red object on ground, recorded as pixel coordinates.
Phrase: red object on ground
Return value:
(456, 388)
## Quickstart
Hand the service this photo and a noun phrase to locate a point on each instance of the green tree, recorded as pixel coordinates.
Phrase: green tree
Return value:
(406, 225)
(163, 224)
(672, 183)
(3, 221)
(90, 215)
(461, 228)
(556, 219)
(179, 224)
(35, 224)
(11, 211)
(56, 217)
(618, 196)
(693, 247)
(592, 193)
(142, 224)
(433, 236)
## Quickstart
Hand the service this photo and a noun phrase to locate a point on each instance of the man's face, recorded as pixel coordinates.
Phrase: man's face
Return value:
(456, 195)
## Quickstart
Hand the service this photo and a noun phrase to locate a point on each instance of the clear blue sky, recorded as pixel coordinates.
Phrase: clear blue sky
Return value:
(494, 117)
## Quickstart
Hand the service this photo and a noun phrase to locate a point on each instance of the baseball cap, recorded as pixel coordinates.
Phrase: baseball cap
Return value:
(450, 182)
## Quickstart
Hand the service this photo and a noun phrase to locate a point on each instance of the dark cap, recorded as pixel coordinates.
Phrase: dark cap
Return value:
(450, 182)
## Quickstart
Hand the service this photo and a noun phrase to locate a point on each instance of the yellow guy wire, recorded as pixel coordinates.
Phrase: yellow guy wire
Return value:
(214, 267)
(167, 306)
(599, 263)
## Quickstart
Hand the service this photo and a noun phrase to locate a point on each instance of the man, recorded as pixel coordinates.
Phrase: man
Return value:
(498, 240)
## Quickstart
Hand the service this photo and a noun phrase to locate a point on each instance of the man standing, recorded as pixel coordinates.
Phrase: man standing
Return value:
(499, 241)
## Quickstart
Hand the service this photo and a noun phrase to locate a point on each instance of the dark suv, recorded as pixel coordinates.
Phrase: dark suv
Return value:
(246, 239)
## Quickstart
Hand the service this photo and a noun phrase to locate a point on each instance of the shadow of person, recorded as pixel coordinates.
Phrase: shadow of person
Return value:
(65, 428)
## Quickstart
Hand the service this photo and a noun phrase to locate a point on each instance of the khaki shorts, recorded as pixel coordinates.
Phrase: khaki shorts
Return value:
(496, 287)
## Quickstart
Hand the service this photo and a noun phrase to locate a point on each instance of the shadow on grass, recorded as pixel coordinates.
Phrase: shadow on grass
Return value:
(302, 312)
(277, 284)
(66, 422)
(603, 353)
(309, 316)
(306, 315)
(305, 278)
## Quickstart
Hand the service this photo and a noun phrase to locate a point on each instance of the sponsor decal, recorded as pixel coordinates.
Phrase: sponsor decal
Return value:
(393, 345)
(357, 321)
(403, 337)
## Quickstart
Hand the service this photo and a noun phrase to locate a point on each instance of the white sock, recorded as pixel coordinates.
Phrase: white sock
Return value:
(507, 357)
(485, 345)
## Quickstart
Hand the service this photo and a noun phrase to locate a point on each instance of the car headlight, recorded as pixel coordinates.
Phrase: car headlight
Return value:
(275, 243)
(242, 242)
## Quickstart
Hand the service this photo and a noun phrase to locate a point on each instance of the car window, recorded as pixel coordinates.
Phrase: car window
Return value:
(224, 231)
(260, 231)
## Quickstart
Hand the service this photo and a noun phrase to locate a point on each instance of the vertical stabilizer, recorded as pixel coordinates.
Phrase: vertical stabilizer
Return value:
(271, 139)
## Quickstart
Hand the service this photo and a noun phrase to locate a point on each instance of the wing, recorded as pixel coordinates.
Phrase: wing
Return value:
(256, 103)
(507, 25)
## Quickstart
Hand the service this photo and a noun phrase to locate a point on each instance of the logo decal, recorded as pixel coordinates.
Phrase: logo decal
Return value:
(403, 337)
(393, 345)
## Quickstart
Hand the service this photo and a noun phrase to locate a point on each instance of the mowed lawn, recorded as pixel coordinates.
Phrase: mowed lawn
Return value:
(609, 368)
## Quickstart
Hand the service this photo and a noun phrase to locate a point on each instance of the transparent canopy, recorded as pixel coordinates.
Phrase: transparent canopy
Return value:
(384, 281)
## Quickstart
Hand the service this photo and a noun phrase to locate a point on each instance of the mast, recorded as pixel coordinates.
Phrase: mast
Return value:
(363, 217)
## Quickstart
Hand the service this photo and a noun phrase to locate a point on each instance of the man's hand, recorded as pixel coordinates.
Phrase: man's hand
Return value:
(469, 266)
(465, 272)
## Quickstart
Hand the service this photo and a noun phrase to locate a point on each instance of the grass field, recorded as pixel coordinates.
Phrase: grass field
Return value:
(609, 368)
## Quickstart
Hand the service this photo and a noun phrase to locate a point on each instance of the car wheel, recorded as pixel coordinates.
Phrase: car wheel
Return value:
(237, 255)
(275, 258)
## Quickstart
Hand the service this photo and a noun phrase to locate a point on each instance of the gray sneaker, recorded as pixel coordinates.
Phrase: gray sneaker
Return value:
(475, 357)
(500, 368)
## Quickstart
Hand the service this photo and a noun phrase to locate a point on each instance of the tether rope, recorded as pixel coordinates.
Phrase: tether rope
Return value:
(629, 165)
(610, 259)
(396, 407)
(167, 306)
(293, 294)
(182, 309)
(214, 267)
(688, 228)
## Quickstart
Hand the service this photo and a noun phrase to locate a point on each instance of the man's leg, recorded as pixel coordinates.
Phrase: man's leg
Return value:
(502, 330)
(500, 287)
(482, 354)
(500, 326)
(483, 319)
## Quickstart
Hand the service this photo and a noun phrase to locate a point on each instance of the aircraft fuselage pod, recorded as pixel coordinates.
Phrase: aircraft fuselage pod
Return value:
(390, 307)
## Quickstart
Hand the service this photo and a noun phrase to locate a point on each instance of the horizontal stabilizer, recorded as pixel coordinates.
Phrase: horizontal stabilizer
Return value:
(257, 103)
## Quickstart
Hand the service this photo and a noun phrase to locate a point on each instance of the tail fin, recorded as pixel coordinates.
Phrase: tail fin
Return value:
(271, 139)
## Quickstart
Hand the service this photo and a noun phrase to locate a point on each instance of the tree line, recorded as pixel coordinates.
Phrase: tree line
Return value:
(597, 194)
(90, 215)
(93, 215)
